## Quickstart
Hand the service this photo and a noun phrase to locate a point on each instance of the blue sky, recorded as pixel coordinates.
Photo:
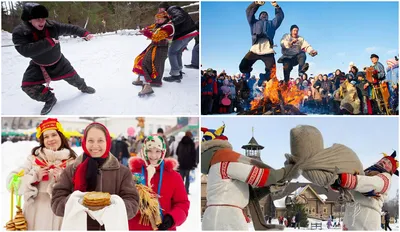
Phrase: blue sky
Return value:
(341, 32)
(366, 136)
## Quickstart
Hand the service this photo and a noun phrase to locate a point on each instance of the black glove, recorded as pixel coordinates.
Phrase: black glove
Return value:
(167, 223)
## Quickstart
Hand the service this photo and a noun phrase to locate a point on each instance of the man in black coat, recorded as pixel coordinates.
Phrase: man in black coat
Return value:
(186, 153)
(185, 31)
(37, 38)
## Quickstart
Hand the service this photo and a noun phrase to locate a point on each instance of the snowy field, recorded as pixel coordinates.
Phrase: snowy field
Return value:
(106, 64)
(14, 154)
(324, 225)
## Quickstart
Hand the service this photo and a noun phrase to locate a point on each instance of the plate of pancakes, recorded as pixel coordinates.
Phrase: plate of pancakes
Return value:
(96, 200)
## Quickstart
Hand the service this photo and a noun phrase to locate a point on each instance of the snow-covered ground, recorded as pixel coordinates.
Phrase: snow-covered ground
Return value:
(311, 220)
(106, 64)
(192, 222)
(14, 154)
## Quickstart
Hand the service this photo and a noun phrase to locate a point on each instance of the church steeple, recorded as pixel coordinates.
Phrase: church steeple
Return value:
(253, 149)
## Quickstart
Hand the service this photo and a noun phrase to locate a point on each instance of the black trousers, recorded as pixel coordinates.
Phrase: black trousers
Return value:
(246, 65)
(36, 91)
(387, 226)
(288, 64)
(206, 103)
(185, 176)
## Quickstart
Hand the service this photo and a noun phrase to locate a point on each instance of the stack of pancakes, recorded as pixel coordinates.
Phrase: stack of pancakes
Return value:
(10, 225)
(18, 223)
(96, 200)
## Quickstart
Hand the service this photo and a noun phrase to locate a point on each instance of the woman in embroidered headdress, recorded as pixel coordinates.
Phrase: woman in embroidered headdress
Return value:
(42, 170)
(164, 204)
(150, 63)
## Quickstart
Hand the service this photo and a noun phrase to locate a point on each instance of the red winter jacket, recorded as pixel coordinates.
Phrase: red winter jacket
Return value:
(173, 196)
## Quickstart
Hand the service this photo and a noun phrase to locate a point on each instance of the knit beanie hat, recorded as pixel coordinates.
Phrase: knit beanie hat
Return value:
(261, 13)
(294, 26)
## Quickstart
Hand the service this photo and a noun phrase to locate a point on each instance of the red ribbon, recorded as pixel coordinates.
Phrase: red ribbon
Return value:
(44, 164)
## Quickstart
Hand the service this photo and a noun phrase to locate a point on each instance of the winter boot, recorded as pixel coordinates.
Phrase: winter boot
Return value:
(146, 90)
(173, 79)
(191, 66)
(181, 74)
(138, 82)
(48, 106)
(305, 68)
(88, 89)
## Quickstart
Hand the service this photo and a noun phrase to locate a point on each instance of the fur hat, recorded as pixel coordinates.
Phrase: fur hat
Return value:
(164, 5)
(34, 11)
(386, 164)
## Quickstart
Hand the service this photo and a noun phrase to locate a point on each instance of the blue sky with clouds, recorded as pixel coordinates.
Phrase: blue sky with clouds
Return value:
(342, 32)
(368, 137)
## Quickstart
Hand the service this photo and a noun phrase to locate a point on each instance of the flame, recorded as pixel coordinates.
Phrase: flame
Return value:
(290, 93)
(255, 103)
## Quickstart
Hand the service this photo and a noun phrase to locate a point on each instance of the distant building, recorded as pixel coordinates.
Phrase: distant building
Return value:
(318, 202)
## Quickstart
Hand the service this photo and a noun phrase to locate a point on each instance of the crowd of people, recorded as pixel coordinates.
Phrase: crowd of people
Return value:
(323, 94)
(339, 92)
(16, 138)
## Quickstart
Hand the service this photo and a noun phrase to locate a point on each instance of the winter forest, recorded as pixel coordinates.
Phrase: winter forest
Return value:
(97, 16)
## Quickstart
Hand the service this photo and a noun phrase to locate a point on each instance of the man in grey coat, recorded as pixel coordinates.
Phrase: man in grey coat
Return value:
(262, 33)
